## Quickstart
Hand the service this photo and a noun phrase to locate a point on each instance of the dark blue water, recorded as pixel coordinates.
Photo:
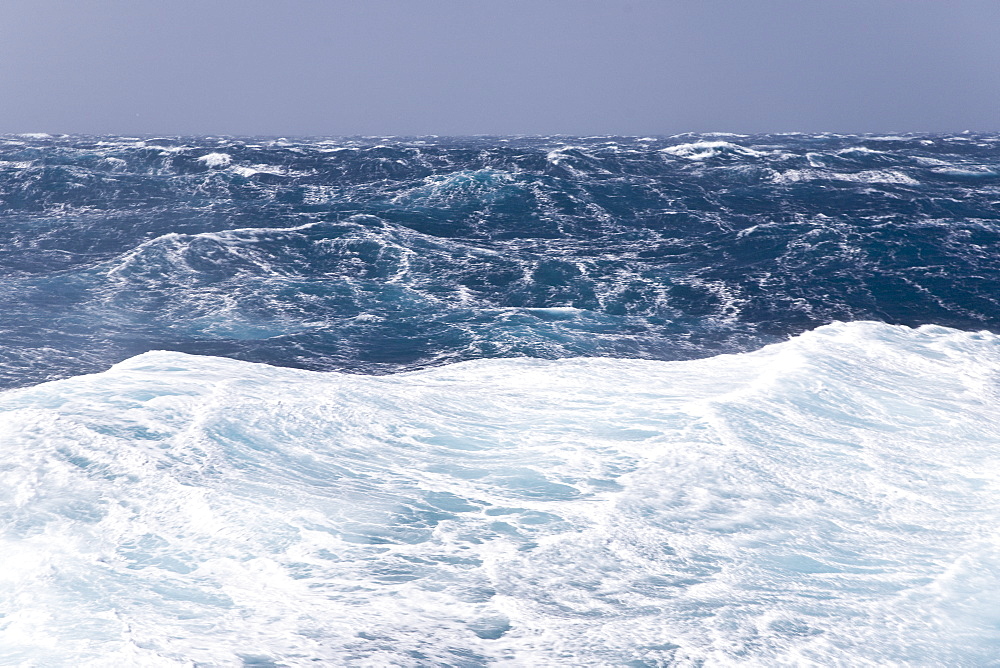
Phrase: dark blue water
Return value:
(374, 255)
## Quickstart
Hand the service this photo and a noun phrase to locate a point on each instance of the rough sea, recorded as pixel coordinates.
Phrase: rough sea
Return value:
(700, 400)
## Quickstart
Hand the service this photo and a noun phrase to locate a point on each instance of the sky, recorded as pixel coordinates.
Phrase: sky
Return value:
(461, 67)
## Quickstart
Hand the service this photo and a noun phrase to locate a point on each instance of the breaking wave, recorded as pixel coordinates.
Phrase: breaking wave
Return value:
(830, 500)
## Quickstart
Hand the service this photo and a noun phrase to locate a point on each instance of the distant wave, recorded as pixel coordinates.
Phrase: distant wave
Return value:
(391, 254)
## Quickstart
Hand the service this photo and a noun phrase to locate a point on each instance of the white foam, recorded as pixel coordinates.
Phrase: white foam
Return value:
(709, 149)
(459, 187)
(246, 172)
(559, 157)
(859, 151)
(890, 138)
(216, 160)
(832, 500)
(931, 162)
(888, 176)
(975, 171)
(556, 311)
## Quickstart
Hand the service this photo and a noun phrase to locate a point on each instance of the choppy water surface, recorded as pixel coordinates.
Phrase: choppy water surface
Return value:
(378, 255)
(715, 400)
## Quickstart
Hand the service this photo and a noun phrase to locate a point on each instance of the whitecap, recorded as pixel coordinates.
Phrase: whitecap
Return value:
(972, 171)
(216, 160)
(829, 500)
(709, 149)
(888, 176)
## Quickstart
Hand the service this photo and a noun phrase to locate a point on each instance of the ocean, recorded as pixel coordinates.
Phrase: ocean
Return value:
(699, 400)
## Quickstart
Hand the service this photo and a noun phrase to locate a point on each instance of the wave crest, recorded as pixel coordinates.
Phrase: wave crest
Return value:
(800, 499)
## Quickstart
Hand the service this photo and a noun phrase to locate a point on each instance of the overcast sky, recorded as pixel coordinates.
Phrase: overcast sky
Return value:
(332, 67)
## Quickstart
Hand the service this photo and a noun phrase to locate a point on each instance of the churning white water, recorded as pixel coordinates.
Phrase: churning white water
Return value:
(830, 500)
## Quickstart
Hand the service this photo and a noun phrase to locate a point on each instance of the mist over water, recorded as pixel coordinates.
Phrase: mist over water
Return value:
(664, 401)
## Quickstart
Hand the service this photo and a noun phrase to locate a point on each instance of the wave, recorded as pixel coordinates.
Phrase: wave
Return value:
(866, 176)
(830, 499)
(382, 255)
(703, 150)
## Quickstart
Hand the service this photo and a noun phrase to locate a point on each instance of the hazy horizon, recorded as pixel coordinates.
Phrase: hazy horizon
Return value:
(451, 68)
(674, 135)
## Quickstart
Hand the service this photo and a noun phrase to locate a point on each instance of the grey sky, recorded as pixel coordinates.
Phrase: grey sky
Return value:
(293, 67)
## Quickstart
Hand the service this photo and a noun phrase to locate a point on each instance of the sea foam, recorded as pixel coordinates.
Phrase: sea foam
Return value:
(830, 500)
